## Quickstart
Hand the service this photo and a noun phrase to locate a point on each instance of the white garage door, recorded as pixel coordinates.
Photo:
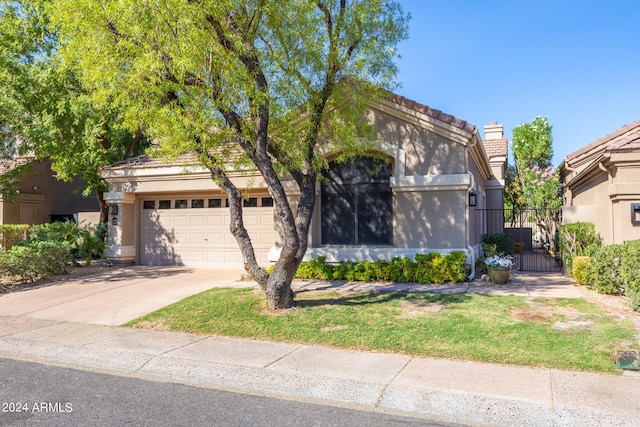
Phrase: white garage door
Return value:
(195, 231)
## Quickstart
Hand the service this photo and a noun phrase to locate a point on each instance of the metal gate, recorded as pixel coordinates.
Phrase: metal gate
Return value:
(535, 232)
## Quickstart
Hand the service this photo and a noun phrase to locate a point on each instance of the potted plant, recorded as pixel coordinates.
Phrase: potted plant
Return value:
(499, 269)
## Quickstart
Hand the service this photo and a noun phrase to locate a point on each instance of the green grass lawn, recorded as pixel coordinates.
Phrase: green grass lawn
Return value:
(551, 332)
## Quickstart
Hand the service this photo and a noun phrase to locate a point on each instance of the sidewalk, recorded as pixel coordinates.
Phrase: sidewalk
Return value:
(451, 391)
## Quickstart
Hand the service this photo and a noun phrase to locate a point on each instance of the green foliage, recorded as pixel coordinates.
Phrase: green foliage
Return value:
(532, 144)
(630, 272)
(604, 275)
(578, 239)
(580, 266)
(538, 183)
(498, 244)
(427, 268)
(315, 269)
(12, 233)
(44, 106)
(615, 269)
(46, 249)
(35, 259)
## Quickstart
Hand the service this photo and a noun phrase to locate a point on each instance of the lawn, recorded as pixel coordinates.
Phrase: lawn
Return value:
(558, 333)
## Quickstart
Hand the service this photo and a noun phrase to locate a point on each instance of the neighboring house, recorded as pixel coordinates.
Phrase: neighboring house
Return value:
(417, 200)
(41, 198)
(601, 184)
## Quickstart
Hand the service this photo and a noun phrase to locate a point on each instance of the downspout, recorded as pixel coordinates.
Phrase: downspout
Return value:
(472, 184)
(472, 254)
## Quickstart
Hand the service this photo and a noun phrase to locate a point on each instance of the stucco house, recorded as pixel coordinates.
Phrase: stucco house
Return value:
(41, 198)
(601, 184)
(423, 197)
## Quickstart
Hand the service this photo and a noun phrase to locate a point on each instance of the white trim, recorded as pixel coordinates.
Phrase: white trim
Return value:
(119, 197)
(120, 252)
(448, 182)
(371, 253)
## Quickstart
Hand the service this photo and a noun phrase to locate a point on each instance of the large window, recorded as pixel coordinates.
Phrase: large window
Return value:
(356, 203)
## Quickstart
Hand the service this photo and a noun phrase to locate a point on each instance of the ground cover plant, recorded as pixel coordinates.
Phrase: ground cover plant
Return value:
(424, 268)
(557, 333)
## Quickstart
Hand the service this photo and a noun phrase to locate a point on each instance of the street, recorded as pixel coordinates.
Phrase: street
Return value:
(37, 394)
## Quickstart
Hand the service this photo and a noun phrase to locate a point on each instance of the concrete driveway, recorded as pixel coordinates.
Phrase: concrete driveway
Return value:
(117, 296)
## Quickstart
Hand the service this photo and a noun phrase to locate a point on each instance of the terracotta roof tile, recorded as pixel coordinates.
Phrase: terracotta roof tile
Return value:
(496, 147)
(626, 137)
(436, 114)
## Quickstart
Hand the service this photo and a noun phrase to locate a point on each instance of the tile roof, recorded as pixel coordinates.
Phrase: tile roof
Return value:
(496, 147)
(145, 162)
(627, 137)
(431, 112)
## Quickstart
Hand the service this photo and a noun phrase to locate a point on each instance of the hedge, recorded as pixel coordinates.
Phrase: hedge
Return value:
(427, 268)
(615, 269)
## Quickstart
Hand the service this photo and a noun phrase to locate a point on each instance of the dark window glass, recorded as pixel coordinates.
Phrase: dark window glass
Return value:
(215, 203)
(356, 203)
(267, 202)
(164, 204)
(197, 203)
(226, 203)
(181, 204)
(251, 202)
(149, 204)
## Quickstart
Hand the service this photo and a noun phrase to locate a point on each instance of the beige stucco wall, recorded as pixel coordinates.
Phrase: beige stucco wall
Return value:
(427, 153)
(604, 197)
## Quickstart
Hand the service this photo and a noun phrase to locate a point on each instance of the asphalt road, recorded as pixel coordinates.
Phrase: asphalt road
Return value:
(35, 394)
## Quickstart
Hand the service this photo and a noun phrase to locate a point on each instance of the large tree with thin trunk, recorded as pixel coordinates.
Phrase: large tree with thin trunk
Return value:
(45, 112)
(538, 184)
(258, 82)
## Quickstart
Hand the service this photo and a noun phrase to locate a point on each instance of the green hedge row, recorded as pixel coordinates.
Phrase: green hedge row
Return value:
(46, 249)
(614, 270)
(427, 268)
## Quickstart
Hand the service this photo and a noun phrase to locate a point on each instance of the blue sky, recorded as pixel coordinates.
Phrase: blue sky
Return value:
(575, 62)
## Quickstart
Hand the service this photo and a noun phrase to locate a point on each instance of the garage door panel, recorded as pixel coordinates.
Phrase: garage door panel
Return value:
(180, 221)
(201, 236)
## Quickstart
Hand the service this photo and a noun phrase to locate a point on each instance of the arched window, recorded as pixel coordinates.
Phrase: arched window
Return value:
(356, 203)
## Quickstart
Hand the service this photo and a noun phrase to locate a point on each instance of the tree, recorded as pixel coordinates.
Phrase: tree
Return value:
(263, 82)
(47, 113)
(539, 182)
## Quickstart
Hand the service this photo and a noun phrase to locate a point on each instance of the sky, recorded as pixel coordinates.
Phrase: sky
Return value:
(575, 62)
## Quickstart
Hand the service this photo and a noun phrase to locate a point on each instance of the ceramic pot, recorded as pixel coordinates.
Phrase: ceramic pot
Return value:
(499, 276)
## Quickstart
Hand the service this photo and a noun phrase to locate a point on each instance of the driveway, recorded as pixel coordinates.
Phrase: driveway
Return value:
(118, 296)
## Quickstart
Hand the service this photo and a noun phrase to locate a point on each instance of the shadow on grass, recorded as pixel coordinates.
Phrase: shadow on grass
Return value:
(371, 298)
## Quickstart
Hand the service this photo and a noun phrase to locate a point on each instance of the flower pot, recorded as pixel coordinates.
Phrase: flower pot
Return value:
(499, 276)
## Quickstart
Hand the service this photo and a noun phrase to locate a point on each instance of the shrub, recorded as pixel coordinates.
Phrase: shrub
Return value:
(12, 233)
(630, 272)
(505, 244)
(578, 239)
(35, 259)
(580, 266)
(604, 274)
(427, 268)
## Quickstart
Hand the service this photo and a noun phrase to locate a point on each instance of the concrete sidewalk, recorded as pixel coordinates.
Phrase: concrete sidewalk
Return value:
(73, 324)
(455, 392)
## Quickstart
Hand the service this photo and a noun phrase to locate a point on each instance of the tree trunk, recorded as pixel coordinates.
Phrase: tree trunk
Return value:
(104, 209)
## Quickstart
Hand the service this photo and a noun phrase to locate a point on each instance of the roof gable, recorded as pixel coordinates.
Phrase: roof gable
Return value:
(627, 137)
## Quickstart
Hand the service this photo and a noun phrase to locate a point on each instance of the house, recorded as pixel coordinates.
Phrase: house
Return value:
(41, 198)
(601, 184)
(421, 198)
